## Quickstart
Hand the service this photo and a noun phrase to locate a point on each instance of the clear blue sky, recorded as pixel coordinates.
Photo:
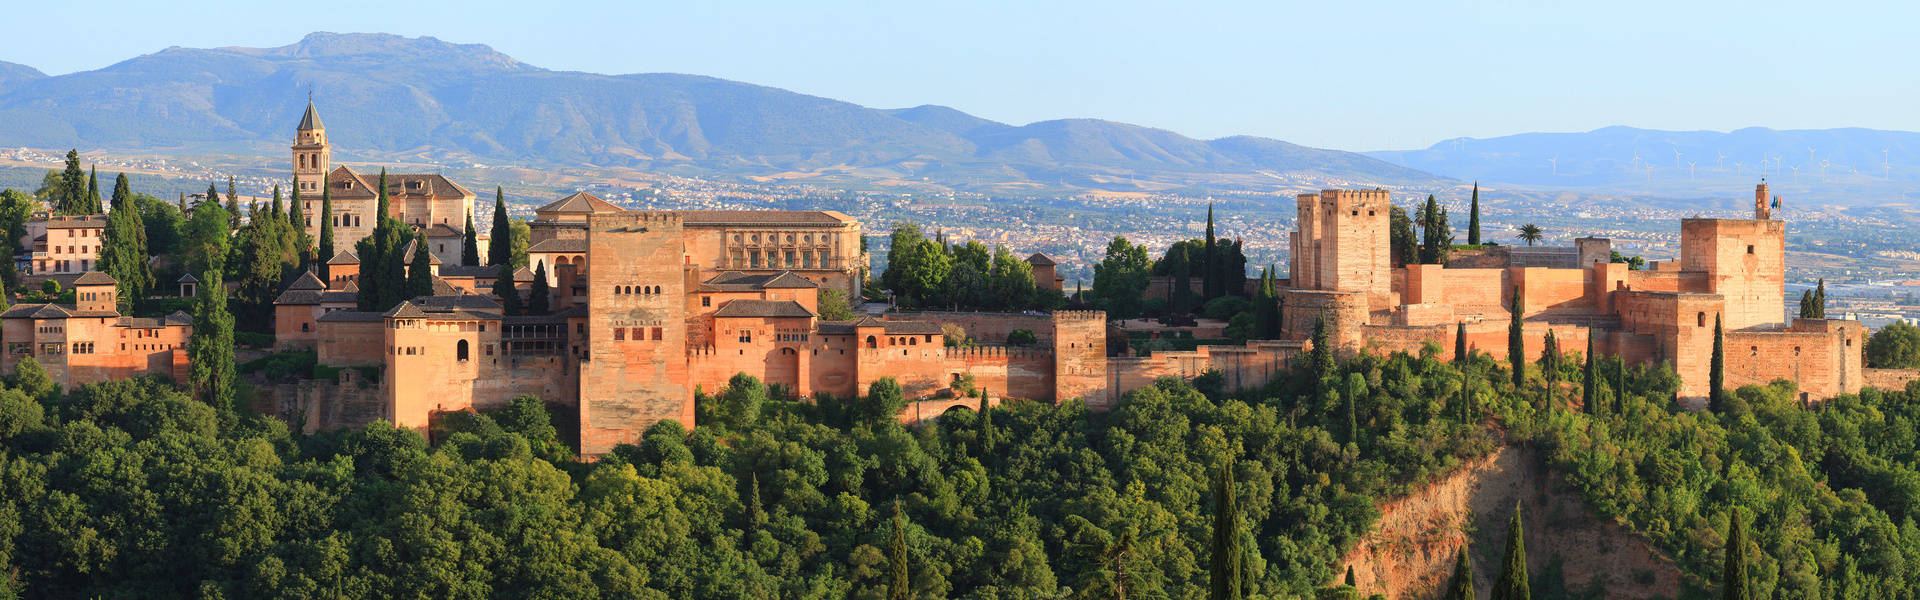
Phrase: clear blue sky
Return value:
(1348, 75)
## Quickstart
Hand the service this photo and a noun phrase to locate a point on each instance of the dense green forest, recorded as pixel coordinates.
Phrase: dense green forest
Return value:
(131, 489)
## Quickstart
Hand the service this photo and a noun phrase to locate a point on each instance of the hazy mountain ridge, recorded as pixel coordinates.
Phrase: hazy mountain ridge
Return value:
(387, 93)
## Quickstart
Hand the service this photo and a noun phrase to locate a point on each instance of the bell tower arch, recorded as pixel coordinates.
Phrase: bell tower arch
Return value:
(312, 157)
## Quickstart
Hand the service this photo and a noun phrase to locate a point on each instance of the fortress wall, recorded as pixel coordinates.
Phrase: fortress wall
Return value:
(1249, 366)
(1080, 357)
(1489, 337)
(352, 343)
(1476, 287)
(1890, 379)
(1667, 281)
(921, 370)
(315, 405)
(1809, 358)
(986, 326)
(1345, 313)
(1554, 290)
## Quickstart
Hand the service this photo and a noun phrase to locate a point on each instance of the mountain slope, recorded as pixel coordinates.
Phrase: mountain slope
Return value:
(438, 101)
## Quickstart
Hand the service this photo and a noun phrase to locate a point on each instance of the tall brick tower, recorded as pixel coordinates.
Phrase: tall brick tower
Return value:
(1343, 244)
(312, 156)
(1745, 262)
(1762, 210)
(1080, 357)
(635, 371)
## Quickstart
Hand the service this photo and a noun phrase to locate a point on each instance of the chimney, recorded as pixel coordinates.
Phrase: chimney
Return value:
(1761, 211)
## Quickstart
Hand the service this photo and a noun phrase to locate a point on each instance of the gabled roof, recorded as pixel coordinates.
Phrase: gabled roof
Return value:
(187, 278)
(411, 248)
(294, 297)
(558, 245)
(353, 287)
(341, 297)
(311, 120)
(735, 281)
(580, 202)
(76, 221)
(406, 310)
(869, 321)
(763, 308)
(473, 301)
(345, 184)
(788, 280)
(440, 230)
(307, 281)
(344, 257)
(36, 311)
(1040, 260)
(95, 278)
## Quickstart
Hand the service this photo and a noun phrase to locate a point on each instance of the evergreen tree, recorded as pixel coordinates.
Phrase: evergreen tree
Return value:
(1461, 588)
(93, 191)
(539, 296)
(233, 205)
(1356, 391)
(1717, 370)
(298, 239)
(1516, 340)
(1224, 579)
(1265, 315)
(500, 249)
(1403, 247)
(383, 272)
(1321, 357)
(756, 517)
(211, 347)
(1210, 285)
(1550, 357)
(987, 435)
(1430, 232)
(325, 246)
(213, 197)
(70, 199)
(899, 586)
(1733, 578)
(1351, 582)
(1820, 300)
(1460, 343)
(123, 250)
(470, 245)
(509, 295)
(1806, 304)
(1512, 583)
(1473, 218)
(1620, 386)
(420, 271)
(1588, 395)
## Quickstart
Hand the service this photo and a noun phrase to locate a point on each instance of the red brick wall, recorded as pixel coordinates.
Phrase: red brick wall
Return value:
(627, 385)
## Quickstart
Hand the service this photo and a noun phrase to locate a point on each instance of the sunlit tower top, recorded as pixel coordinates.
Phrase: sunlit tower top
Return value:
(311, 154)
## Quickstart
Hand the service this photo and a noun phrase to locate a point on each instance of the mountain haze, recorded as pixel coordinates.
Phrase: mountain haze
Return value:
(383, 93)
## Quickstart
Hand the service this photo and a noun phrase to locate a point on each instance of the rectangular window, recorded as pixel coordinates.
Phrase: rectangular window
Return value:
(656, 334)
(706, 300)
(619, 334)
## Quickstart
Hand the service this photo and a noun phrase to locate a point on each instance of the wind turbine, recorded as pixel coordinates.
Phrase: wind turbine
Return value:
(1809, 157)
(1823, 170)
(1886, 162)
(1796, 173)
(1736, 168)
(1556, 164)
(1676, 158)
(1720, 165)
(1689, 169)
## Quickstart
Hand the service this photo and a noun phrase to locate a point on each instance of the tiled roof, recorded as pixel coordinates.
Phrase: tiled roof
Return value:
(36, 311)
(1040, 260)
(442, 288)
(869, 321)
(580, 202)
(76, 222)
(787, 280)
(735, 281)
(716, 217)
(187, 278)
(352, 287)
(293, 297)
(559, 245)
(440, 230)
(466, 271)
(342, 296)
(307, 281)
(411, 248)
(351, 316)
(344, 257)
(913, 328)
(406, 310)
(577, 311)
(95, 278)
(179, 317)
(763, 308)
(311, 120)
(399, 185)
(834, 327)
(535, 320)
(473, 301)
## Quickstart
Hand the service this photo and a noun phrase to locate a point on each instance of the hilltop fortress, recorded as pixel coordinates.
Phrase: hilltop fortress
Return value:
(651, 306)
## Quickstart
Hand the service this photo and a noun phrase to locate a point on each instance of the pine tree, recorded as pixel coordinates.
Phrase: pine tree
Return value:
(1820, 300)
(470, 245)
(233, 205)
(899, 586)
(420, 271)
(1460, 343)
(211, 347)
(1717, 370)
(123, 250)
(1224, 579)
(1461, 588)
(325, 246)
(1733, 578)
(93, 191)
(1587, 392)
(1351, 582)
(500, 249)
(1516, 340)
(1512, 583)
(539, 295)
(1473, 218)
(756, 516)
(1210, 285)
(70, 199)
(503, 286)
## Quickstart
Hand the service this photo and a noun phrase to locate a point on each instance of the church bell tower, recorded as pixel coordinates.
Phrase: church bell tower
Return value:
(311, 155)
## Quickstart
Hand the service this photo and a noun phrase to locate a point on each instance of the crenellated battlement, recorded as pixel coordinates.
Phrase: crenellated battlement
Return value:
(998, 352)
(1080, 315)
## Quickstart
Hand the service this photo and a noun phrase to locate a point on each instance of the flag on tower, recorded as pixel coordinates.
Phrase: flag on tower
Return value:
(1776, 202)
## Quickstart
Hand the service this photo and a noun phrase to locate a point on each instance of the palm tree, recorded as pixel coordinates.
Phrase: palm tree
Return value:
(1530, 233)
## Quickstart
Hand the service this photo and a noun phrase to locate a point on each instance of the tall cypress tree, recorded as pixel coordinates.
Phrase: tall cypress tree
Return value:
(1806, 304)
(213, 195)
(1460, 343)
(987, 440)
(420, 271)
(1224, 579)
(1820, 300)
(470, 245)
(503, 286)
(1430, 232)
(1717, 370)
(1473, 219)
(1587, 381)
(1550, 357)
(233, 205)
(1512, 583)
(1351, 581)
(1733, 577)
(211, 347)
(299, 240)
(500, 248)
(70, 199)
(93, 191)
(1323, 360)
(899, 585)
(325, 246)
(1209, 285)
(1461, 588)
(538, 296)
(1620, 386)
(383, 277)
(123, 250)
(1516, 340)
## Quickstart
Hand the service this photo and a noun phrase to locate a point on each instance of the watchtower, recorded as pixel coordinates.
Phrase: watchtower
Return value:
(635, 371)
(311, 154)
(1343, 244)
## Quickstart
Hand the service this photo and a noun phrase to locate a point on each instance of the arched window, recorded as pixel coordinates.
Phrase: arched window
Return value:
(913, 341)
(1702, 319)
(460, 351)
(873, 342)
(305, 327)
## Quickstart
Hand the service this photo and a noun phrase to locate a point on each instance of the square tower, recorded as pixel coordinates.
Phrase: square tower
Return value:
(311, 154)
(1344, 245)
(1745, 262)
(635, 371)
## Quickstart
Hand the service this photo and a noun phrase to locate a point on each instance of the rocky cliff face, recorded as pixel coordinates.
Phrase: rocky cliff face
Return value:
(1410, 554)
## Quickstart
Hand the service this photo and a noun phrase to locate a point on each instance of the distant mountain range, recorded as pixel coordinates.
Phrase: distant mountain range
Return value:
(381, 93)
(1840, 165)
